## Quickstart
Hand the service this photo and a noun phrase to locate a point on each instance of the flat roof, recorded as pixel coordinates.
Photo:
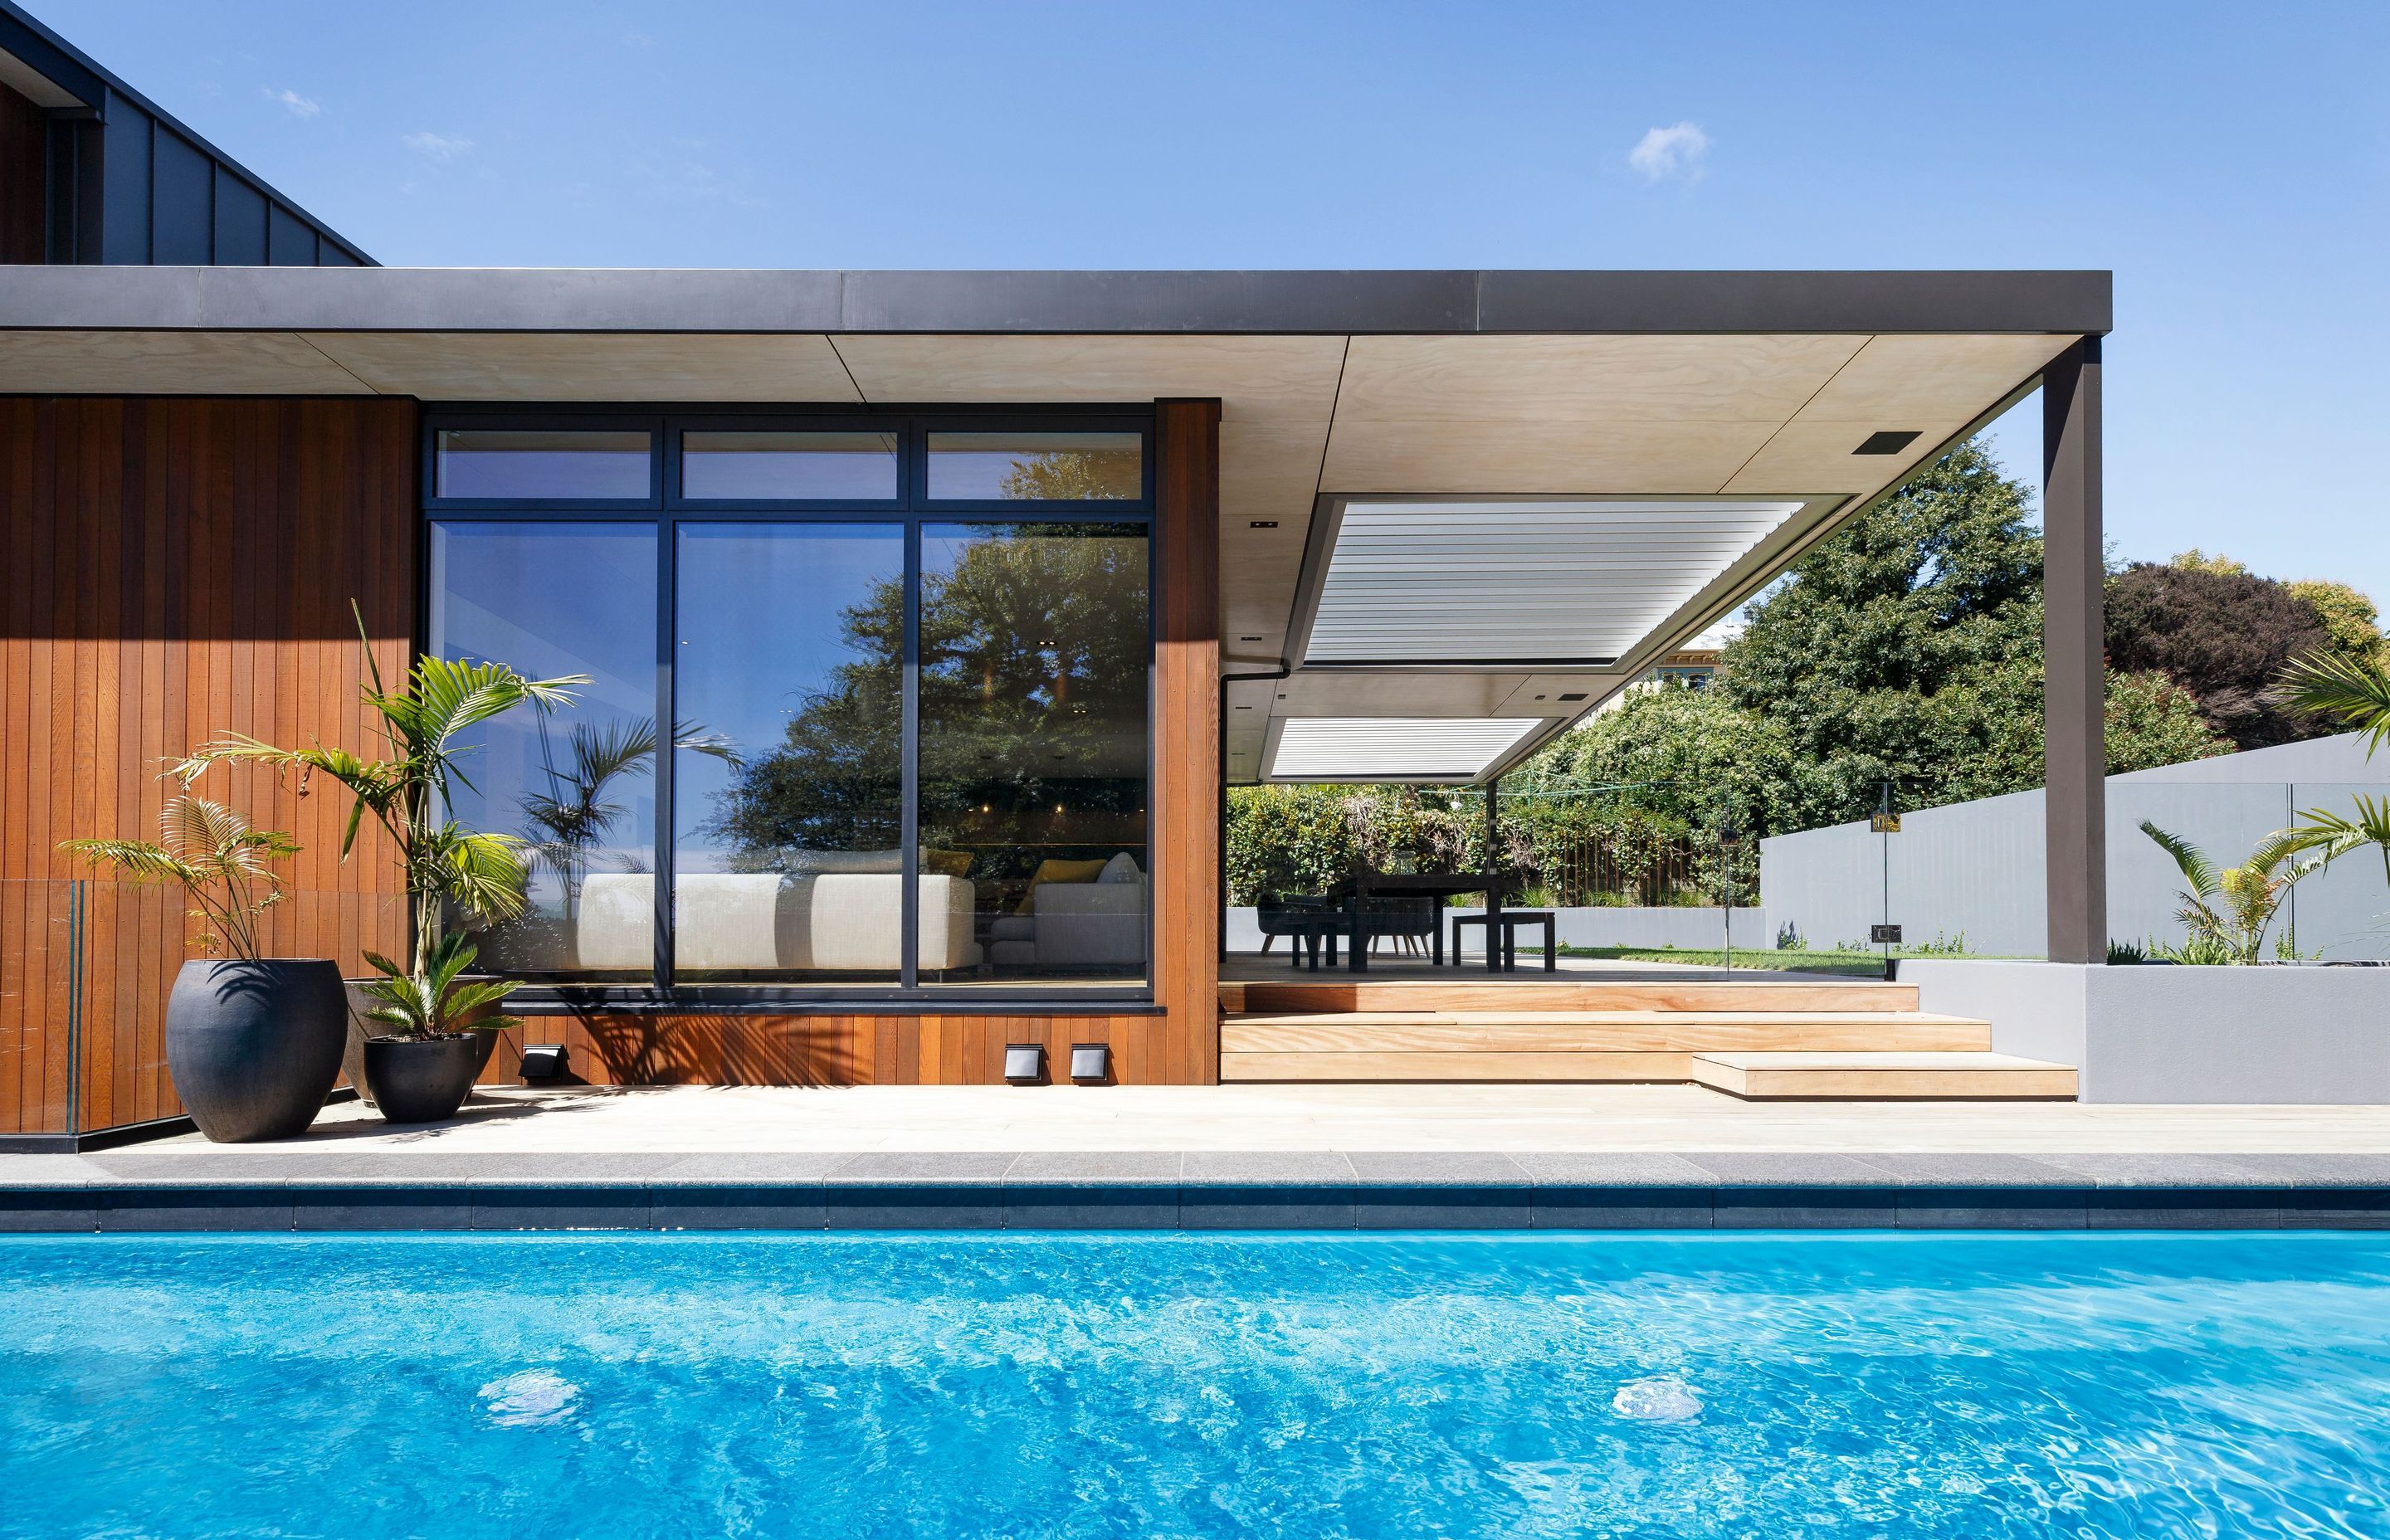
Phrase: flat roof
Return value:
(1617, 406)
(1431, 303)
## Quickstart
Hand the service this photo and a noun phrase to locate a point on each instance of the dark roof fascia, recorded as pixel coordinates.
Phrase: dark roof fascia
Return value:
(71, 69)
(1134, 303)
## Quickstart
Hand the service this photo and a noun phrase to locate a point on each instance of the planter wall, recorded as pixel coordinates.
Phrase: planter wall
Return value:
(2304, 1036)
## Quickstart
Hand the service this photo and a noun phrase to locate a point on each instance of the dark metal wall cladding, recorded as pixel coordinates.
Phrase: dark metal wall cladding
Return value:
(119, 182)
(167, 201)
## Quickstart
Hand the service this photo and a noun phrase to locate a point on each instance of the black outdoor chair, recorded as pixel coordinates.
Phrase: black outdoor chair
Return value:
(1409, 922)
(1278, 917)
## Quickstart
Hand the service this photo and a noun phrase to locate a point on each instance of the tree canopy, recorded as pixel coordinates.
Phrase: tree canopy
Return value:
(2224, 636)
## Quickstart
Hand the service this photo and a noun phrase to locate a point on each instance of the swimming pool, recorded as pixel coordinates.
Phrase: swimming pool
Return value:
(1161, 1385)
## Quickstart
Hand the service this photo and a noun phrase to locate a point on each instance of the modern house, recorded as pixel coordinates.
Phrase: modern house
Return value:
(927, 614)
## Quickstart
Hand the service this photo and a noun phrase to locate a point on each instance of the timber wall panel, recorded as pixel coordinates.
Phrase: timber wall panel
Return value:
(176, 569)
(782, 1048)
(1186, 795)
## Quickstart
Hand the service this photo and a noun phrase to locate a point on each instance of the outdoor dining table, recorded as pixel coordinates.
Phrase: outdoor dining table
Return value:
(1440, 886)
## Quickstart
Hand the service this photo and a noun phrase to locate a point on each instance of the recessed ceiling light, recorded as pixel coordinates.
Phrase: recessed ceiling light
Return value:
(1249, 638)
(1433, 748)
(1573, 695)
(1526, 580)
(1263, 524)
(1889, 442)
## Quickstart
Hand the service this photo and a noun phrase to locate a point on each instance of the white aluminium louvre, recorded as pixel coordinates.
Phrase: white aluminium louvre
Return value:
(1394, 748)
(1574, 579)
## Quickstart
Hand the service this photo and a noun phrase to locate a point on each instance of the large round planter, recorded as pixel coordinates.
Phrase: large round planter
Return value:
(254, 1046)
(422, 1079)
(362, 1028)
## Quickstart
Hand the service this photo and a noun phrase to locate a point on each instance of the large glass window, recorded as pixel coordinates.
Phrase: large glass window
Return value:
(793, 467)
(576, 783)
(1036, 468)
(487, 465)
(1035, 648)
(872, 746)
(787, 781)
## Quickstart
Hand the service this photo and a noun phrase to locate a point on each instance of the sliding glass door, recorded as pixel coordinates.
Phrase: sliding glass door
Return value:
(788, 770)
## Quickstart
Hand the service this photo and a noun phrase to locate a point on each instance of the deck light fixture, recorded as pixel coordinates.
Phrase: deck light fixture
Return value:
(1091, 1063)
(542, 1061)
(1024, 1064)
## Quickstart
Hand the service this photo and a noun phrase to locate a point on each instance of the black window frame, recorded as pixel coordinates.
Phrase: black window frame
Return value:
(665, 509)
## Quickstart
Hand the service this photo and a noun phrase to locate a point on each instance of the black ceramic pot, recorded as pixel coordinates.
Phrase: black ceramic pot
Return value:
(422, 1079)
(362, 1028)
(254, 1046)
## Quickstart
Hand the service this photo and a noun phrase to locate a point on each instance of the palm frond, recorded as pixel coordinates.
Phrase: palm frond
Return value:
(2196, 868)
(2354, 689)
(139, 860)
(485, 874)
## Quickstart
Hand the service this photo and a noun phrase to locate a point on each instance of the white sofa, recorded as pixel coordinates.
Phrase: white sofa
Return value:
(769, 921)
(1075, 924)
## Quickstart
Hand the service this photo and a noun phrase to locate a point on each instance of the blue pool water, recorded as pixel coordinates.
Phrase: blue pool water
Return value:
(932, 1386)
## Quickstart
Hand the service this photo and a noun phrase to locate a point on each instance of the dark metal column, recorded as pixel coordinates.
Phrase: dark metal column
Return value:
(2073, 657)
(1494, 931)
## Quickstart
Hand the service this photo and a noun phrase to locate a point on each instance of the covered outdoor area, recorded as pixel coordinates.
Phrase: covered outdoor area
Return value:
(1362, 528)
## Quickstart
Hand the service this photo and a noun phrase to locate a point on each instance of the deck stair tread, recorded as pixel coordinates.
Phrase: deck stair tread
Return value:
(1589, 1017)
(1516, 994)
(1768, 1075)
(1361, 1033)
(1875, 1060)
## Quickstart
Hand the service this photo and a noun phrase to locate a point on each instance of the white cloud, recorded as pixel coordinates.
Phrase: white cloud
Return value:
(437, 146)
(301, 107)
(1666, 152)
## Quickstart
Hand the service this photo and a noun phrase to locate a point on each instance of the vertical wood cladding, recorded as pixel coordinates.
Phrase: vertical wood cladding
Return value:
(1187, 895)
(178, 568)
(174, 568)
(728, 1048)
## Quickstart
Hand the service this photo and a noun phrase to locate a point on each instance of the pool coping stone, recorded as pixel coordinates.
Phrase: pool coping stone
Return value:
(283, 1191)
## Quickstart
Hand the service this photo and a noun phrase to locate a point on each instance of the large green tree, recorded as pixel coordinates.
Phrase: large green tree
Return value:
(1908, 648)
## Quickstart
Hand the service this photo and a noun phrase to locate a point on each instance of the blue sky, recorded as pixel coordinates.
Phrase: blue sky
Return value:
(2227, 161)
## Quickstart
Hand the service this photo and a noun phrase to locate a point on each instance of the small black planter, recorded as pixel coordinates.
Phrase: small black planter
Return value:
(363, 1029)
(254, 1046)
(422, 1079)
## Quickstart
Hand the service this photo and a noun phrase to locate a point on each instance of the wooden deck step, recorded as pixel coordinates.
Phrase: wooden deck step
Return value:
(1522, 992)
(1848, 1076)
(1601, 1031)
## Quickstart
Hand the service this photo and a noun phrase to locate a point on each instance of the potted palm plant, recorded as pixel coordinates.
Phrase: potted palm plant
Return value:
(254, 1043)
(421, 1073)
(407, 791)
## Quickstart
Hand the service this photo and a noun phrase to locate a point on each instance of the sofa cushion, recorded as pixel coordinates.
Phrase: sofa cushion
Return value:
(818, 863)
(1120, 868)
(1057, 871)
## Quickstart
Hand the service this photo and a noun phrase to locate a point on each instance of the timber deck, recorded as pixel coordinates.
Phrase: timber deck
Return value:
(1766, 1038)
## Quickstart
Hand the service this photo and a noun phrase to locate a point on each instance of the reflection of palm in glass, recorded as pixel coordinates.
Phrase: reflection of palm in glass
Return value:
(565, 823)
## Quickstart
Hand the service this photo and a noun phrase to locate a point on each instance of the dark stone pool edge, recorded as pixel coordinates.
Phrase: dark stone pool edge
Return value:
(1210, 1192)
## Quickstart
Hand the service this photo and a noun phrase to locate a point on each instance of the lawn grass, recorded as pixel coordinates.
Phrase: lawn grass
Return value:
(1869, 965)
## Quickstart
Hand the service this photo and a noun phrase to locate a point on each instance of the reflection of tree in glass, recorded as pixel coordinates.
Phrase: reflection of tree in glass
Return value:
(1076, 476)
(1033, 656)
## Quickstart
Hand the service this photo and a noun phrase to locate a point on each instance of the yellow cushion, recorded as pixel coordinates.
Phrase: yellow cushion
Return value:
(1059, 871)
(945, 862)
